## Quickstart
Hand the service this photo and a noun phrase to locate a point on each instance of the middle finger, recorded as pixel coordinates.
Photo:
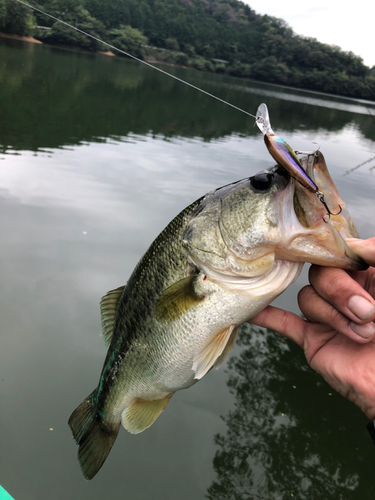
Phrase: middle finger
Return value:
(343, 292)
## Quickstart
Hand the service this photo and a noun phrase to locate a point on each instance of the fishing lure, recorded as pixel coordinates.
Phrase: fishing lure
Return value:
(284, 155)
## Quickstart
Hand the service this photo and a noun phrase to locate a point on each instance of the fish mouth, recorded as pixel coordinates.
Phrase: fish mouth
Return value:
(316, 168)
(320, 238)
(325, 247)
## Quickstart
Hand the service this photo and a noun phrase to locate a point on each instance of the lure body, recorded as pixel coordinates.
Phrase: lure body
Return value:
(281, 152)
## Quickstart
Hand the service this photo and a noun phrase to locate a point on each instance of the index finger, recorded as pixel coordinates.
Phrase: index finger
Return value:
(283, 322)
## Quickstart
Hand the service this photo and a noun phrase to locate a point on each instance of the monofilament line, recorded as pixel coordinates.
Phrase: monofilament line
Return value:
(136, 58)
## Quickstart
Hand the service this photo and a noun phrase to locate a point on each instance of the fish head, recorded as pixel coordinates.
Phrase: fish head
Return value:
(243, 228)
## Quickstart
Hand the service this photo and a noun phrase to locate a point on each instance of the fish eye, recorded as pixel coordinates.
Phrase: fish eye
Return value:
(261, 181)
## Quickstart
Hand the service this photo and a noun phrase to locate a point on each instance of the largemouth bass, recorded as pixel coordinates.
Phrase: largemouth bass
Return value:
(216, 265)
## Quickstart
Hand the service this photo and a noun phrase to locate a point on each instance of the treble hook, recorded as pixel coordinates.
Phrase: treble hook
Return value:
(320, 195)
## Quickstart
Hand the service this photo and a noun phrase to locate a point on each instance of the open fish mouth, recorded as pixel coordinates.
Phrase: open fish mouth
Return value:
(316, 168)
(330, 230)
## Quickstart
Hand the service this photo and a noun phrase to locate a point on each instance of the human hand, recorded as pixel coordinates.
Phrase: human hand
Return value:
(338, 332)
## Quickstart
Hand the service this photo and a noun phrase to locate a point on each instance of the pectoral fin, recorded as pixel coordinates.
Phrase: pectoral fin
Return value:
(143, 413)
(228, 348)
(214, 351)
(177, 299)
(108, 307)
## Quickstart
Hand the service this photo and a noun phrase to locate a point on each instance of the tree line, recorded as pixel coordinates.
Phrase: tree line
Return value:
(224, 36)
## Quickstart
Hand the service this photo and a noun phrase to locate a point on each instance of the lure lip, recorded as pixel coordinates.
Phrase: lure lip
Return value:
(262, 119)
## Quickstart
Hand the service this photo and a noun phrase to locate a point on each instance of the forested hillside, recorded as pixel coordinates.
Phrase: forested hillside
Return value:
(212, 35)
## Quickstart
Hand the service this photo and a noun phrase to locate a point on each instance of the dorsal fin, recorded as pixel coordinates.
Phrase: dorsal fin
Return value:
(108, 308)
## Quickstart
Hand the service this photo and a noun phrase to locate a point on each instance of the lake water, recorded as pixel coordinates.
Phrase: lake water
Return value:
(97, 155)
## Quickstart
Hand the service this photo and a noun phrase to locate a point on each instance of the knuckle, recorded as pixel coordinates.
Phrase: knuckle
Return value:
(333, 285)
(305, 294)
(337, 319)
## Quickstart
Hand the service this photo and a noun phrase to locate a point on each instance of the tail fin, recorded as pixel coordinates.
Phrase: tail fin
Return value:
(94, 438)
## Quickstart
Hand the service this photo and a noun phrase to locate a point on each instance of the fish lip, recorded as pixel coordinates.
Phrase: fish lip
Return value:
(326, 247)
(315, 166)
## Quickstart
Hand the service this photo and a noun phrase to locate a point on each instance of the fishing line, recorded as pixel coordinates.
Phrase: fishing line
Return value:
(260, 120)
(135, 58)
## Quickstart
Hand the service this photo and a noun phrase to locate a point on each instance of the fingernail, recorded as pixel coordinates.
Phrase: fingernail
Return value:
(364, 331)
(361, 307)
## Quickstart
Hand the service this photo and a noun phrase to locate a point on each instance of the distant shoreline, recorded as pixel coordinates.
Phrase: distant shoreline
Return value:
(18, 37)
(34, 40)
(103, 52)
(148, 58)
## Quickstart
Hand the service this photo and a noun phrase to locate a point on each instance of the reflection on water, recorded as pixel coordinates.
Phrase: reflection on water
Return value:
(286, 436)
(97, 155)
(85, 97)
(304, 97)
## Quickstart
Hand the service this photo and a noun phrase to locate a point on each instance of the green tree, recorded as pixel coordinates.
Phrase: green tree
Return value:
(18, 18)
(112, 13)
(73, 12)
(208, 51)
(269, 69)
(240, 69)
(189, 49)
(3, 14)
(130, 40)
(171, 44)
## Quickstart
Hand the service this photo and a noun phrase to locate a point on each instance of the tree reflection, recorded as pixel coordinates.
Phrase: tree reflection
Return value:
(72, 97)
(289, 434)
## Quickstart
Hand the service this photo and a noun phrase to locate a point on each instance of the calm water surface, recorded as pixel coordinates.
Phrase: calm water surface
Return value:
(97, 155)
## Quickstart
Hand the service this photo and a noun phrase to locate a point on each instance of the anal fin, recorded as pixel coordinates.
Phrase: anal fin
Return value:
(143, 413)
(214, 352)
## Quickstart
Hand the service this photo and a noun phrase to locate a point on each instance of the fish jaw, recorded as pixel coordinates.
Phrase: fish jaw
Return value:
(325, 247)
(308, 234)
(317, 169)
